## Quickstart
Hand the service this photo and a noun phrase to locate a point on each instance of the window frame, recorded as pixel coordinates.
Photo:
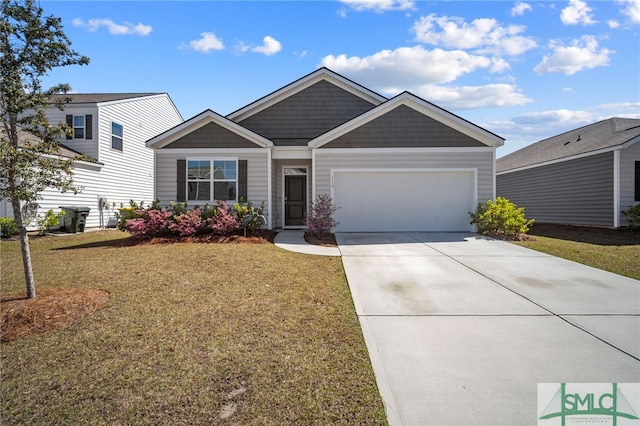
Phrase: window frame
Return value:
(83, 127)
(212, 180)
(119, 137)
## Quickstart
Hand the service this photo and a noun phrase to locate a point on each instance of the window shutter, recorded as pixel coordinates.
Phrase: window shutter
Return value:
(70, 124)
(242, 180)
(181, 181)
(88, 126)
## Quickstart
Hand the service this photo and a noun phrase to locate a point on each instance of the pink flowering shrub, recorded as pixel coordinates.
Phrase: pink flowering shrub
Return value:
(224, 221)
(187, 223)
(320, 219)
(151, 223)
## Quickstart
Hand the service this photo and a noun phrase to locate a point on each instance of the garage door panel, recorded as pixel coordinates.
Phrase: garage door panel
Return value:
(404, 201)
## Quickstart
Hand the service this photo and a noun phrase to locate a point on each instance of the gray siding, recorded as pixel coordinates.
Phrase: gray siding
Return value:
(403, 127)
(257, 173)
(211, 135)
(307, 114)
(481, 160)
(628, 157)
(572, 192)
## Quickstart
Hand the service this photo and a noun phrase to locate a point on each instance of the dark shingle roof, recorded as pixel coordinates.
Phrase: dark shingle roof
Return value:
(593, 137)
(91, 98)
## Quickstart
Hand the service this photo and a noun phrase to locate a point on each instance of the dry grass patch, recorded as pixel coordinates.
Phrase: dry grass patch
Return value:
(244, 334)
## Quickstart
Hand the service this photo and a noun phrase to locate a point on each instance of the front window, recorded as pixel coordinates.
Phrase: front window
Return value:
(209, 180)
(78, 126)
(116, 136)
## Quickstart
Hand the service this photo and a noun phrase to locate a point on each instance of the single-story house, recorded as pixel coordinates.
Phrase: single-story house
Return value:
(111, 130)
(586, 176)
(399, 164)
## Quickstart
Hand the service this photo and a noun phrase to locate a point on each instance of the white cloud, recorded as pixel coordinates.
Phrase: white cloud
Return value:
(583, 53)
(206, 43)
(423, 72)
(409, 65)
(631, 10)
(379, 5)
(613, 24)
(270, 46)
(623, 108)
(578, 12)
(125, 28)
(520, 8)
(486, 35)
(470, 97)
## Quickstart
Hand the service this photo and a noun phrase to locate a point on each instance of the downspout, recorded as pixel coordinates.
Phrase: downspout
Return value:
(493, 174)
(616, 188)
(269, 188)
(313, 173)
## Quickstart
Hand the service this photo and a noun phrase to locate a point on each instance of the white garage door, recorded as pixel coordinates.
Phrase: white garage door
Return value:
(420, 200)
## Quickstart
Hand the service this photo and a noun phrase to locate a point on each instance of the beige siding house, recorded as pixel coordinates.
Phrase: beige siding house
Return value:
(587, 176)
(389, 164)
(111, 129)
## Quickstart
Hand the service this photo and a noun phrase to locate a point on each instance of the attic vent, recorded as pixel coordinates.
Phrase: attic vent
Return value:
(577, 140)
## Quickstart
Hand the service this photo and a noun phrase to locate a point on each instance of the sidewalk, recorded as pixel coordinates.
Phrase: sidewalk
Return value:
(294, 241)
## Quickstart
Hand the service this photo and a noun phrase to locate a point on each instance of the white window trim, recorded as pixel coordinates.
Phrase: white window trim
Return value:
(121, 137)
(83, 127)
(212, 181)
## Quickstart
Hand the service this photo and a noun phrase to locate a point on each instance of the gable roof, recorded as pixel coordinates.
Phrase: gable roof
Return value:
(93, 98)
(610, 134)
(201, 120)
(301, 84)
(420, 105)
(64, 151)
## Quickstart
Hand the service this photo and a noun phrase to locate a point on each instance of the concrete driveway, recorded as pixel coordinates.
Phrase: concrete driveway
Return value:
(461, 328)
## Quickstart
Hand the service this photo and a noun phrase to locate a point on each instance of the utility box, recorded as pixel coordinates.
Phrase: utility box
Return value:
(75, 218)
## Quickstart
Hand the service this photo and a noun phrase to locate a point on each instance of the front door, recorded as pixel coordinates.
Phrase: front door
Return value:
(295, 199)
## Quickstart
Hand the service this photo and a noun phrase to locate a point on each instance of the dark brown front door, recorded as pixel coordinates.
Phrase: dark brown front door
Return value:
(295, 196)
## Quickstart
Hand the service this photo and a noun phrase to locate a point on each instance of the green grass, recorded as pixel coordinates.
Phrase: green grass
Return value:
(191, 333)
(616, 251)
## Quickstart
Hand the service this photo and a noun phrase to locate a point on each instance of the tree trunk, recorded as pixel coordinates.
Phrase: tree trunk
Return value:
(24, 247)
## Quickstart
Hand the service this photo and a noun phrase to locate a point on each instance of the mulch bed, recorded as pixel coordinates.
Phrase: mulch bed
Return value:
(259, 237)
(325, 239)
(52, 308)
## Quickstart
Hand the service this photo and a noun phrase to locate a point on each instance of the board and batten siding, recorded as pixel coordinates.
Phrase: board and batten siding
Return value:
(576, 192)
(628, 159)
(464, 158)
(257, 172)
(129, 174)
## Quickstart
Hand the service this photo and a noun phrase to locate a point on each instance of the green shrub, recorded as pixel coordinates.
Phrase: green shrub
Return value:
(501, 217)
(125, 213)
(633, 216)
(8, 227)
(49, 220)
(250, 218)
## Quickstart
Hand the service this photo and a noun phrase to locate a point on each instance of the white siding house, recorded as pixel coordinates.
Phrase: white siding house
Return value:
(112, 129)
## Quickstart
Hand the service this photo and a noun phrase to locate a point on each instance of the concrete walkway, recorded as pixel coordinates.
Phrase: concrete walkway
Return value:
(294, 241)
(460, 328)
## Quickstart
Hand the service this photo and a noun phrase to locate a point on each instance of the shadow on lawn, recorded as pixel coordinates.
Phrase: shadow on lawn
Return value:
(587, 234)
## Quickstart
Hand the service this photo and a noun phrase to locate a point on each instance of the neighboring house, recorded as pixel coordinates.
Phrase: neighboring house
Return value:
(587, 176)
(111, 129)
(389, 164)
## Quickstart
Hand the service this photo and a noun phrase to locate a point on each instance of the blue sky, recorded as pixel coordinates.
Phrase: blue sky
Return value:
(525, 70)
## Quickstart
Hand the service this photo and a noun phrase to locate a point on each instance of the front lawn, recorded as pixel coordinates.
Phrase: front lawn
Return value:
(614, 250)
(193, 333)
